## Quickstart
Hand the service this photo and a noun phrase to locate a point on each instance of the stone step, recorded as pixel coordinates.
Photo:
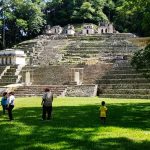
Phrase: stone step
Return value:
(37, 91)
(101, 51)
(126, 69)
(131, 96)
(125, 86)
(8, 80)
(27, 95)
(70, 53)
(131, 71)
(122, 81)
(11, 70)
(9, 76)
(72, 56)
(72, 83)
(122, 68)
(68, 62)
(106, 44)
(12, 80)
(42, 87)
(123, 76)
(32, 95)
(102, 48)
(127, 91)
(1, 69)
(6, 83)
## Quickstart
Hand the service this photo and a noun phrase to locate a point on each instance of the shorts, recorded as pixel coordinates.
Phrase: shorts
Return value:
(103, 118)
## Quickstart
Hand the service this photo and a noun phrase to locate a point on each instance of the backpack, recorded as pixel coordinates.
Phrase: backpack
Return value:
(48, 98)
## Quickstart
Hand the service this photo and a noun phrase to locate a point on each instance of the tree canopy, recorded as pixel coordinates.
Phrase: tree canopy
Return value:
(75, 11)
(141, 61)
(133, 16)
(21, 18)
(24, 19)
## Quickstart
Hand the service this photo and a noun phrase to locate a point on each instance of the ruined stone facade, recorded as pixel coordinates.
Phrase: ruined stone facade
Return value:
(105, 27)
(86, 29)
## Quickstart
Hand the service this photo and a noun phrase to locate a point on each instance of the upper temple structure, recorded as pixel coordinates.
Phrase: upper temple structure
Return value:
(86, 29)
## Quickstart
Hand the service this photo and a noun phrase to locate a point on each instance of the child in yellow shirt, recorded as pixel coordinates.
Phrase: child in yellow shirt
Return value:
(103, 111)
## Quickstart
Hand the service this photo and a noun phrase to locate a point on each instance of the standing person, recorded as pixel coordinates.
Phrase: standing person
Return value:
(11, 100)
(4, 102)
(103, 111)
(47, 100)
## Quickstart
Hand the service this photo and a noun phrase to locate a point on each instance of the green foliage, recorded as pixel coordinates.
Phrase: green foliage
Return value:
(30, 16)
(86, 11)
(22, 24)
(22, 15)
(141, 59)
(75, 11)
(133, 16)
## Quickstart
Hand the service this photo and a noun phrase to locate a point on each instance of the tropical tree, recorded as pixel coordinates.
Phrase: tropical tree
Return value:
(141, 60)
(77, 11)
(23, 18)
(133, 16)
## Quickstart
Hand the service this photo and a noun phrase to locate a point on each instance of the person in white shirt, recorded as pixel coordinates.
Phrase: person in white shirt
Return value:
(11, 100)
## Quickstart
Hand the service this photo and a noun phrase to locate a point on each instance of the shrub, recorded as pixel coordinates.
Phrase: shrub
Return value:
(141, 60)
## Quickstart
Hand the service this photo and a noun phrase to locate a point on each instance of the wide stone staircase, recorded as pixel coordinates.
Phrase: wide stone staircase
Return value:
(52, 52)
(102, 48)
(9, 76)
(37, 90)
(2, 69)
(43, 51)
(122, 81)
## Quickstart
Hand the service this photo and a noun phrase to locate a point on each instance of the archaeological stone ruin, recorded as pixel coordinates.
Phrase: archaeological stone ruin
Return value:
(86, 60)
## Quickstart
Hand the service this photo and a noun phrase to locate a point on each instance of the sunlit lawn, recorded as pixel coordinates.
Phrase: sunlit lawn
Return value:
(76, 126)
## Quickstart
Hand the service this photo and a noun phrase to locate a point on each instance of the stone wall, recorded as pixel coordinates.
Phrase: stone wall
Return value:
(37, 90)
(94, 72)
(52, 52)
(61, 74)
(103, 48)
(53, 75)
(81, 91)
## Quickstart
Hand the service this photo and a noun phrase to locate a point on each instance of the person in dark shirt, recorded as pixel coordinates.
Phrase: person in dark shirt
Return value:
(47, 101)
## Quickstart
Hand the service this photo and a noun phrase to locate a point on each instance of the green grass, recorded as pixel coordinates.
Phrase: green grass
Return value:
(76, 126)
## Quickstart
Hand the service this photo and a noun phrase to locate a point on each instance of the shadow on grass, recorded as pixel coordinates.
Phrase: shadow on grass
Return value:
(72, 127)
(129, 115)
(104, 144)
(120, 115)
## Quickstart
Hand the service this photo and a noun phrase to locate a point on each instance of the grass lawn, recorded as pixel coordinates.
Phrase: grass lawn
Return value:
(76, 126)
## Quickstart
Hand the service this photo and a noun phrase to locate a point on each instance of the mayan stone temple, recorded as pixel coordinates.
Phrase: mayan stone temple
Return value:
(88, 60)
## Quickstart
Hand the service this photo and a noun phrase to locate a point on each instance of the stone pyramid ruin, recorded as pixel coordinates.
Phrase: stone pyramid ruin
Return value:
(73, 62)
